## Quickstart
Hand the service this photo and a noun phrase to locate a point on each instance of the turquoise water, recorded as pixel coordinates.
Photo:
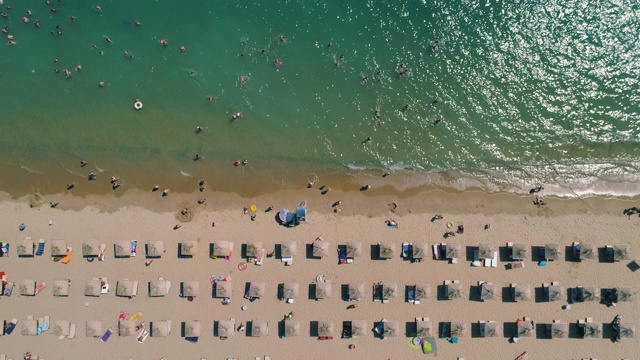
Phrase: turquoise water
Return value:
(527, 92)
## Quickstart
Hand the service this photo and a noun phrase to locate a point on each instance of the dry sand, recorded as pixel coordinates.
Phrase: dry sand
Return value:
(512, 218)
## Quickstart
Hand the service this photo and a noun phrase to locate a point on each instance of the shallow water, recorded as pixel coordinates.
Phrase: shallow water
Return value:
(526, 93)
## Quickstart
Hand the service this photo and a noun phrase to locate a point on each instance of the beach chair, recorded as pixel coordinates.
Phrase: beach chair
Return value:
(66, 259)
(40, 249)
(104, 338)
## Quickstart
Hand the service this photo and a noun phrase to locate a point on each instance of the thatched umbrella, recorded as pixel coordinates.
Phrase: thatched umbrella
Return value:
(320, 247)
(324, 290)
(58, 248)
(60, 288)
(525, 329)
(625, 294)
(122, 248)
(389, 291)
(192, 328)
(61, 328)
(25, 247)
(359, 328)
(486, 251)
(488, 291)
(221, 249)
(259, 328)
(257, 289)
(588, 251)
(423, 291)
(161, 328)
(155, 248)
(291, 328)
(454, 291)
(325, 328)
(420, 250)
(591, 293)
(621, 252)
(224, 289)
(226, 328)
(28, 288)
(94, 328)
(627, 331)
(552, 251)
(490, 329)
(125, 288)
(559, 330)
(290, 290)
(354, 249)
(556, 292)
(29, 327)
(90, 248)
(522, 292)
(458, 329)
(288, 248)
(157, 288)
(391, 329)
(92, 287)
(188, 248)
(355, 290)
(593, 330)
(453, 251)
(424, 328)
(520, 252)
(190, 288)
(386, 250)
(126, 328)
(254, 249)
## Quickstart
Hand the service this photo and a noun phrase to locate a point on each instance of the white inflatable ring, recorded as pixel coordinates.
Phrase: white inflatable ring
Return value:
(137, 105)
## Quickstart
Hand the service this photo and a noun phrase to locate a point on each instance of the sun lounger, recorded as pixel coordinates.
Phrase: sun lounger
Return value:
(134, 248)
(104, 282)
(436, 252)
(72, 331)
(103, 247)
(66, 259)
(46, 322)
(4, 249)
(142, 336)
(8, 288)
(193, 339)
(411, 293)
(10, 326)
(405, 250)
(287, 260)
(517, 265)
(40, 249)
(106, 336)
(342, 256)
(40, 287)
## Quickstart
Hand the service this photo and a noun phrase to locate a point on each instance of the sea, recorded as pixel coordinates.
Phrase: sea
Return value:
(500, 96)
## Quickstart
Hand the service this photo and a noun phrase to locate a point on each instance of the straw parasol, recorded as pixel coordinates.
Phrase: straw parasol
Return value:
(522, 292)
(259, 328)
(126, 328)
(188, 248)
(387, 250)
(92, 287)
(125, 288)
(155, 248)
(123, 248)
(525, 329)
(25, 247)
(29, 327)
(192, 328)
(290, 290)
(58, 248)
(458, 329)
(157, 288)
(424, 328)
(320, 247)
(291, 328)
(61, 328)
(488, 291)
(359, 328)
(454, 291)
(288, 248)
(559, 330)
(28, 288)
(627, 331)
(588, 251)
(520, 252)
(621, 252)
(254, 249)
(593, 330)
(161, 328)
(325, 328)
(90, 248)
(486, 251)
(490, 329)
(391, 329)
(420, 250)
(625, 294)
(552, 251)
(389, 291)
(190, 288)
(354, 249)
(453, 251)
(60, 288)
(323, 290)
(355, 290)
(423, 291)
(224, 289)
(556, 292)
(94, 328)
(591, 293)
(226, 328)
(257, 289)
(221, 249)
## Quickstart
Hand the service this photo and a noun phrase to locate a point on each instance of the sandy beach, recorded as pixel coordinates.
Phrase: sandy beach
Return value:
(146, 216)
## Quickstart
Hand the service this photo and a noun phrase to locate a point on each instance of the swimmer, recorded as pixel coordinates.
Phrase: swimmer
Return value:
(435, 122)
(337, 63)
(37, 23)
(71, 186)
(126, 54)
(329, 44)
(368, 139)
(10, 37)
(83, 163)
(245, 162)
(54, 10)
(114, 179)
(5, 29)
(155, 188)
(165, 192)
(25, 19)
(197, 157)
(11, 42)
(94, 46)
(342, 57)
(79, 67)
(92, 176)
(237, 163)
(108, 39)
(101, 53)
(378, 114)
(164, 42)
(67, 73)
(98, 8)
(4, 15)
(72, 18)
(183, 48)
(101, 84)
(236, 116)
(202, 182)
(29, 12)
(201, 201)
(115, 185)
(138, 23)
(365, 79)
(283, 39)
(199, 129)
(405, 107)
(211, 98)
